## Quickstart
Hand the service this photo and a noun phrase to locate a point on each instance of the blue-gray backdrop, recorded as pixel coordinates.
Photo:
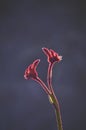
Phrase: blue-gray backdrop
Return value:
(25, 27)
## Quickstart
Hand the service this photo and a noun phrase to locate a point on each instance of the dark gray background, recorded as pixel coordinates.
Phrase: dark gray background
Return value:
(25, 27)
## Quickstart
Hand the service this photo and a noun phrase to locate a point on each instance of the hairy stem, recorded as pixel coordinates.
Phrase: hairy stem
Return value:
(49, 77)
(55, 103)
(53, 99)
(43, 85)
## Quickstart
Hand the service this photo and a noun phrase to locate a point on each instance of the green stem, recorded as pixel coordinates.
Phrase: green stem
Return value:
(55, 103)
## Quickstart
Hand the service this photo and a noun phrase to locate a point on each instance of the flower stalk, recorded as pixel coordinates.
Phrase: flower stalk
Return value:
(45, 88)
(52, 58)
(53, 99)
(55, 103)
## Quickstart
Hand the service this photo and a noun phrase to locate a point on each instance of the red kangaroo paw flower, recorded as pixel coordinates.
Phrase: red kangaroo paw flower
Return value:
(31, 72)
(52, 56)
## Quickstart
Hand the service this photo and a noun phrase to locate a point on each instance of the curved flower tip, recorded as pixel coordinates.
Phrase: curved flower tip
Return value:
(52, 56)
(31, 72)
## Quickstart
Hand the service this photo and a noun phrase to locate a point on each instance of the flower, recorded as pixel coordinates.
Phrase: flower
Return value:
(52, 56)
(31, 72)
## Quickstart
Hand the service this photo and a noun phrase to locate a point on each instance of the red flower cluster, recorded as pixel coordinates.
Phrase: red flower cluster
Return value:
(52, 56)
(31, 72)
